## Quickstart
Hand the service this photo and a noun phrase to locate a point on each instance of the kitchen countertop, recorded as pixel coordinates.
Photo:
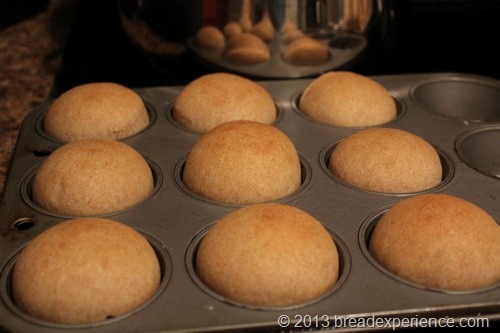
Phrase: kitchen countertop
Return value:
(30, 54)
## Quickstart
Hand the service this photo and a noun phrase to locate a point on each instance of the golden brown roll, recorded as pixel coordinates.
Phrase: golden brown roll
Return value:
(290, 35)
(264, 28)
(245, 20)
(386, 160)
(268, 255)
(217, 98)
(243, 162)
(96, 111)
(232, 29)
(85, 270)
(288, 25)
(306, 51)
(92, 177)
(210, 37)
(439, 241)
(347, 99)
(246, 49)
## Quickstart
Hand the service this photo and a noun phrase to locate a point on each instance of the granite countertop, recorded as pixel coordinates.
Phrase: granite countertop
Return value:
(30, 54)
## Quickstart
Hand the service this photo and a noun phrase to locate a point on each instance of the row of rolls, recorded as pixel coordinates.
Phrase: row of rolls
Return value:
(433, 240)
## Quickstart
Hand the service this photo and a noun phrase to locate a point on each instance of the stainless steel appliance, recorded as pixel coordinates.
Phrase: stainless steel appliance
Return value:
(346, 30)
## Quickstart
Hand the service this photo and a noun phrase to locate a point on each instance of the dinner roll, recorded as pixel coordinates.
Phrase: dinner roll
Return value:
(264, 29)
(288, 25)
(96, 111)
(268, 255)
(85, 270)
(91, 177)
(439, 241)
(386, 160)
(347, 99)
(245, 20)
(210, 37)
(290, 35)
(306, 51)
(243, 162)
(246, 49)
(232, 29)
(217, 98)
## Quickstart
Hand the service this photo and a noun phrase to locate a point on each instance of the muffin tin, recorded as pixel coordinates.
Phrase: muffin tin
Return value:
(458, 114)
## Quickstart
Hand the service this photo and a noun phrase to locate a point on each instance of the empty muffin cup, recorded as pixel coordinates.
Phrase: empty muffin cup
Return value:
(480, 149)
(467, 99)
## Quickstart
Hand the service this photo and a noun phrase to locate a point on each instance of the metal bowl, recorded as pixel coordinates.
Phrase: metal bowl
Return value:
(344, 30)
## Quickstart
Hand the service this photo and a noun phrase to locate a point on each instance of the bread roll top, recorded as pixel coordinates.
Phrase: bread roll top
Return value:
(96, 111)
(85, 270)
(268, 255)
(347, 99)
(243, 162)
(439, 241)
(92, 177)
(217, 98)
(387, 160)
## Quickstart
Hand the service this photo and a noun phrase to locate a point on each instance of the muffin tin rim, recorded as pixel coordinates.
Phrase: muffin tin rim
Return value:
(452, 77)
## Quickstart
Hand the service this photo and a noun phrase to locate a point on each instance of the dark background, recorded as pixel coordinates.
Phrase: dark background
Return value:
(427, 36)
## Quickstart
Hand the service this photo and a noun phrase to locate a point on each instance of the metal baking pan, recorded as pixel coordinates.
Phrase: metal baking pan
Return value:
(457, 113)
